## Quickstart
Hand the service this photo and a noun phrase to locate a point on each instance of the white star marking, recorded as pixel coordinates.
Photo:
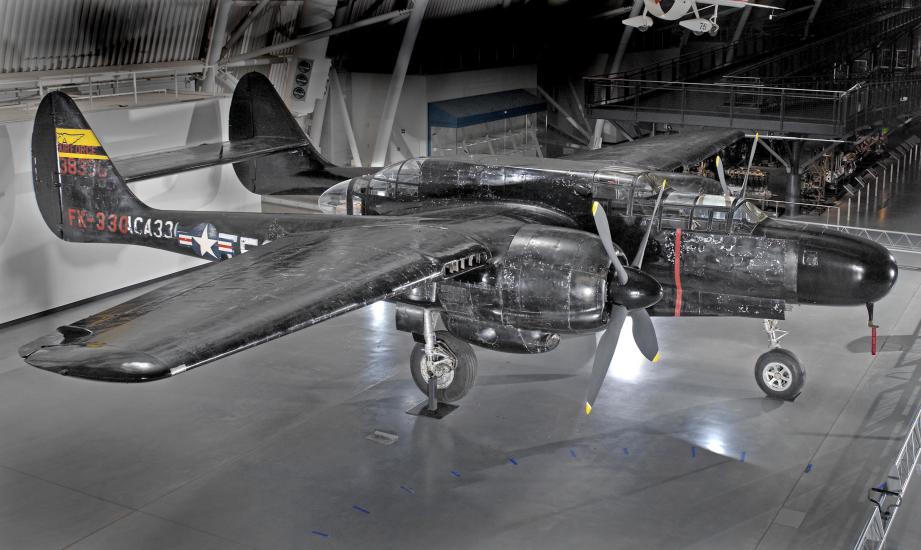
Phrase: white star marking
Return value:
(205, 244)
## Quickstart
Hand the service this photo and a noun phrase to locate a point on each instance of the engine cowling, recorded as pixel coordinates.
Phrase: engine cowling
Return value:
(550, 279)
(501, 337)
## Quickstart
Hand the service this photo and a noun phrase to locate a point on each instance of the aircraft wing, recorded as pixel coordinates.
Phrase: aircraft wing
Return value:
(738, 4)
(666, 152)
(274, 290)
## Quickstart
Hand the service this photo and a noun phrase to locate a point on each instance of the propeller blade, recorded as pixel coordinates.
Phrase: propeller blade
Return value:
(604, 353)
(719, 171)
(604, 232)
(751, 159)
(644, 334)
(638, 259)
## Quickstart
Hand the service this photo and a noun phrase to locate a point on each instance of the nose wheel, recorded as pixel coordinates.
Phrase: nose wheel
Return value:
(778, 372)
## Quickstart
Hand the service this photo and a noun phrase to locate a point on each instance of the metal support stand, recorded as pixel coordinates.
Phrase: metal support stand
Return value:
(431, 408)
(772, 328)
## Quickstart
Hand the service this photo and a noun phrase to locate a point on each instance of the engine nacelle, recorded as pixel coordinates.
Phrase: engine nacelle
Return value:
(501, 337)
(550, 279)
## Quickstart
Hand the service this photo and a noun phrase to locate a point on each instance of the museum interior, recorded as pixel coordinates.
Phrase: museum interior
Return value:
(460, 274)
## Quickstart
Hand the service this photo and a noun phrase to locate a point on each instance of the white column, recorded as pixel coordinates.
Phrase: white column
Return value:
(389, 112)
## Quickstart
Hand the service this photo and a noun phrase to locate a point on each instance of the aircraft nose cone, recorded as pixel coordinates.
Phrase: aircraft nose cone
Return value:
(880, 272)
(842, 270)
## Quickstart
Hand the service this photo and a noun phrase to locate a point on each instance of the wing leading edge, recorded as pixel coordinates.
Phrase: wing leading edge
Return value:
(275, 290)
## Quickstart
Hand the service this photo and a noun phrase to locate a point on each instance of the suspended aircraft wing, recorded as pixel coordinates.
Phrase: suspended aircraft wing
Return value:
(279, 288)
(666, 152)
(738, 4)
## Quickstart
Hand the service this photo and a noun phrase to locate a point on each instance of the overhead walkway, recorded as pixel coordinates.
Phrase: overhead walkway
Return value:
(713, 88)
(798, 108)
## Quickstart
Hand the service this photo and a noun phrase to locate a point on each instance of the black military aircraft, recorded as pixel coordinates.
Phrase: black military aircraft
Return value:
(504, 253)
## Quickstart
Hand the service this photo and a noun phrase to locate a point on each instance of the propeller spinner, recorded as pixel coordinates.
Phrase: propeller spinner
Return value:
(634, 292)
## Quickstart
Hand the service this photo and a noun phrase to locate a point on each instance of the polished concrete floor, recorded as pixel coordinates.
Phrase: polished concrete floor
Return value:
(268, 448)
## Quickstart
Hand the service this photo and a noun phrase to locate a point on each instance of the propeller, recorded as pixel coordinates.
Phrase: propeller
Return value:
(719, 171)
(751, 159)
(634, 292)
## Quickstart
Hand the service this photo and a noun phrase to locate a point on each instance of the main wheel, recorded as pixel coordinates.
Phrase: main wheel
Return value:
(643, 28)
(714, 30)
(779, 374)
(454, 367)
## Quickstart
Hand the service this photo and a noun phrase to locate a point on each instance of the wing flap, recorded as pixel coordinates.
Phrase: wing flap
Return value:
(272, 291)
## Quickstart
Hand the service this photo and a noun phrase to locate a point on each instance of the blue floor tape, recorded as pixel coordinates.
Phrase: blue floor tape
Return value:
(360, 509)
(572, 453)
(455, 473)
(408, 489)
(320, 534)
(513, 461)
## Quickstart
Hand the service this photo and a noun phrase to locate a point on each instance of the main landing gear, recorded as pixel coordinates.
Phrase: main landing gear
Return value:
(443, 367)
(778, 372)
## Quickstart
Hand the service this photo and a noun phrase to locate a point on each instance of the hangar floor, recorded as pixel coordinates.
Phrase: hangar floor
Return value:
(268, 448)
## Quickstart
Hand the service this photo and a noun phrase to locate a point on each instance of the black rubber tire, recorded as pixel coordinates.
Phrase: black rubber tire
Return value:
(786, 358)
(464, 371)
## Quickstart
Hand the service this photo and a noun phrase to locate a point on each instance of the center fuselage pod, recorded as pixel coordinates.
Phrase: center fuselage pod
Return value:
(703, 246)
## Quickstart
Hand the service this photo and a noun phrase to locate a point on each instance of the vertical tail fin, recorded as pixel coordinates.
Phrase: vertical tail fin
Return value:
(257, 111)
(79, 192)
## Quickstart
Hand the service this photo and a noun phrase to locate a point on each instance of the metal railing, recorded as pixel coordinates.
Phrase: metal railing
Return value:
(831, 212)
(750, 106)
(98, 85)
(858, 37)
(897, 241)
(873, 536)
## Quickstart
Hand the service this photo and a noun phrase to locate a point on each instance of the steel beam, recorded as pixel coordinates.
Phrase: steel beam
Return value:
(565, 114)
(737, 34)
(318, 35)
(336, 87)
(615, 67)
(812, 14)
(218, 34)
(240, 29)
(389, 112)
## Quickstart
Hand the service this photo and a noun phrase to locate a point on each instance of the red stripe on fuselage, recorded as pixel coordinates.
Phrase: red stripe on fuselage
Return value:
(678, 272)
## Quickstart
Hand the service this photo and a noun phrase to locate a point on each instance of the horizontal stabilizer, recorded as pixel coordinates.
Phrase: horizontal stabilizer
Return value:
(173, 161)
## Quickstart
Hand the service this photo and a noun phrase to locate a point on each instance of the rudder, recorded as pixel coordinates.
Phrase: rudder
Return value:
(77, 186)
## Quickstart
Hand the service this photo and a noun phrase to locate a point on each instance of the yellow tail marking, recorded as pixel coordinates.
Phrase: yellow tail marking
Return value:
(75, 136)
(78, 143)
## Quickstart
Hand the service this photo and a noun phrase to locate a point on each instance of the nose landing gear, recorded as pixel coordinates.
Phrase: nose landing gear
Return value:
(778, 371)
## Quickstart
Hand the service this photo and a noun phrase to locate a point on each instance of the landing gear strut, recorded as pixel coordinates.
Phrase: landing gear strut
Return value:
(778, 372)
(443, 367)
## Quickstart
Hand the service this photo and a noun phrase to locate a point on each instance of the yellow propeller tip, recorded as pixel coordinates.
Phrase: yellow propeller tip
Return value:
(588, 409)
(594, 207)
(656, 358)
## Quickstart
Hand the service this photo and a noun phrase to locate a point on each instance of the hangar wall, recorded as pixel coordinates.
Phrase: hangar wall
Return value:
(366, 93)
(39, 272)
